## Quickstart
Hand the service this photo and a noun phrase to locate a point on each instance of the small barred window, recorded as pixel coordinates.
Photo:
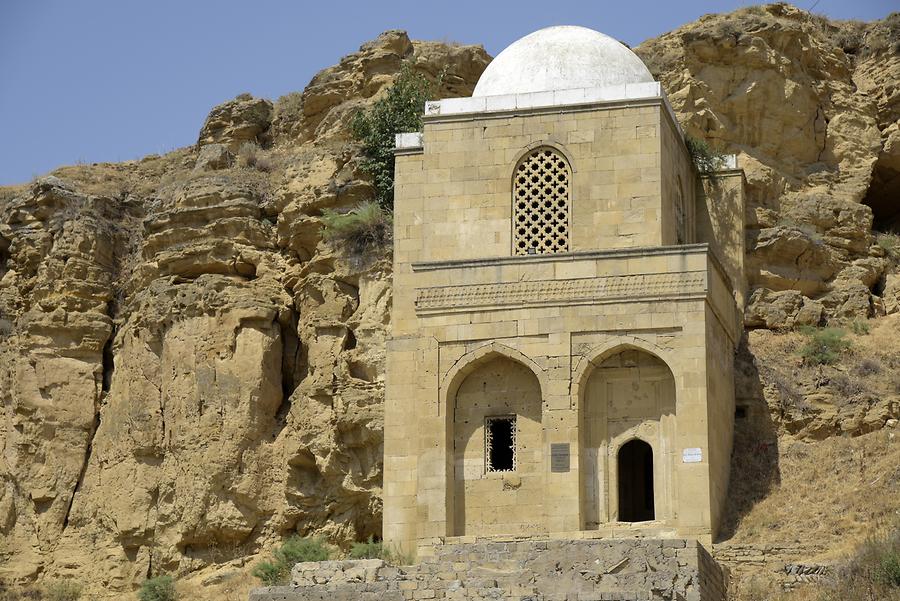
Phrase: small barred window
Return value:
(500, 443)
(541, 201)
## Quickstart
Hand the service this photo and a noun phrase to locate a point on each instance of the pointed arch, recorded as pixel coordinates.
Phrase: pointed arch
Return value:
(475, 358)
(617, 344)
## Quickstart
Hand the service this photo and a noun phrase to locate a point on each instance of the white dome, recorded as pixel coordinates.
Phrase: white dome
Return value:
(561, 58)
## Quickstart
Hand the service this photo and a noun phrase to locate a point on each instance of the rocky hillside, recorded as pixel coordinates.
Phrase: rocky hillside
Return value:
(188, 372)
(811, 108)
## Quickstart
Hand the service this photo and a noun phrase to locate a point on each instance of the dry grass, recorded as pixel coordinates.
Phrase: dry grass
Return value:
(830, 494)
(816, 499)
(869, 365)
(235, 584)
(139, 178)
(250, 155)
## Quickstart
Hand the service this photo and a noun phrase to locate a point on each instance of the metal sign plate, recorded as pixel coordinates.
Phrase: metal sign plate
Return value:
(559, 457)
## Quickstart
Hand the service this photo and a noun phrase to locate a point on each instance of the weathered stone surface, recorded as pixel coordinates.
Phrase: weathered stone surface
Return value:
(891, 294)
(770, 83)
(214, 156)
(324, 109)
(68, 252)
(617, 570)
(188, 373)
(244, 119)
(784, 309)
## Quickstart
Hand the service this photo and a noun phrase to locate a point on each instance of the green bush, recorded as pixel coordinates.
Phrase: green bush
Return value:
(269, 573)
(398, 111)
(888, 570)
(370, 549)
(63, 590)
(823, 345)
(860, 327)
(367, 227)
(705, 159)
(293, 550)
(297, 549)
(160, 588)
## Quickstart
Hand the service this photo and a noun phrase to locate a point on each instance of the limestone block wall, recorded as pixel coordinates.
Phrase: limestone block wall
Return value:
(719, 217)
(678, 203)
(453, 198)
(549, 570)
(561, 317)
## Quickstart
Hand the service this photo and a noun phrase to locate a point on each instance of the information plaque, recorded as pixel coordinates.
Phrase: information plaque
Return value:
(559, 457)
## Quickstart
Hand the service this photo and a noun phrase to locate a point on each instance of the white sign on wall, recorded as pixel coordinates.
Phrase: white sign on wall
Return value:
(692, 455)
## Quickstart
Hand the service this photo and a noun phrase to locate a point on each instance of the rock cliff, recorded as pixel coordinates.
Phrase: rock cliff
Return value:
(810, 107)
(188, 372)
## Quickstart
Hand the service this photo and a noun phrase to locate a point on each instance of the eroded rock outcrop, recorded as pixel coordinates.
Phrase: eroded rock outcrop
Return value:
(188, 372)
(772, 84)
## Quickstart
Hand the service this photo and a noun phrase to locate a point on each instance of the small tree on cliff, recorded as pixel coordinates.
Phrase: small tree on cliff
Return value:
(398, 111)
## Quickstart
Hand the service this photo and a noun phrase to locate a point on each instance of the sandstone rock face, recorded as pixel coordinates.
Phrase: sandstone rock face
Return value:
(771, 84)
(877, 53)
(187, 372)
(244, 119)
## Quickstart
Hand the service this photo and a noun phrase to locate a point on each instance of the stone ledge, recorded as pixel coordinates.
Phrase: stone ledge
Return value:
(614, 253)
(575, 96)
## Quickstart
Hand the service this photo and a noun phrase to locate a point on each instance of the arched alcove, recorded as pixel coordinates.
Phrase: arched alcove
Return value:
(629, 394)
(498, 403)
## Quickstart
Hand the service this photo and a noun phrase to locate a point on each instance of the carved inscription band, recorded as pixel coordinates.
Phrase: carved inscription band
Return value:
(561, 292)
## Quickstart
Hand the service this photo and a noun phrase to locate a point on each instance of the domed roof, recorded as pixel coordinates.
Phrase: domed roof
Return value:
(561, 58)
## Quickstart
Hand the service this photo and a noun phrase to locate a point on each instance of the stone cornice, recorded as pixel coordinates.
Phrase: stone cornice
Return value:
(615, 253)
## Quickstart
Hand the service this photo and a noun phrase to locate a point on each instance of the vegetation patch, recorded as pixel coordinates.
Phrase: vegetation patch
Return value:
(63, 590)
(252, 156)
(398, 111)
(823, 346)
(370, 549)
(294, 550)
(873, 573)
(706, 159)
(160, 588)
(366, 228)
(889, 242)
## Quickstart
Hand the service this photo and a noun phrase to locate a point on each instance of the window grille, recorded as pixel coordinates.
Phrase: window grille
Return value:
(500, 443)
(541, 199)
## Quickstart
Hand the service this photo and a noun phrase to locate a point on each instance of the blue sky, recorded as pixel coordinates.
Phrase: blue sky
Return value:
(112, 80)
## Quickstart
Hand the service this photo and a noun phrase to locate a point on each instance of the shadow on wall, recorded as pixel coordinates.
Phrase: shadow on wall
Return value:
(4, 254)
(754, 458)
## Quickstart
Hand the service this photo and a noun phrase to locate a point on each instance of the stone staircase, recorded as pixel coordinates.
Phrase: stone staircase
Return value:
(533, 570)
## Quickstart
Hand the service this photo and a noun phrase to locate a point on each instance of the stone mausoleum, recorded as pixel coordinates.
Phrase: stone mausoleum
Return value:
(567, 301)
(559, 387)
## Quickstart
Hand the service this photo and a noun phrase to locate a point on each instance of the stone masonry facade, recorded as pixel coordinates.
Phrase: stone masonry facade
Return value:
(620, 328)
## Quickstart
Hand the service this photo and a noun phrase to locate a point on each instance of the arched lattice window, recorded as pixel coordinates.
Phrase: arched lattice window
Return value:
(541, 199)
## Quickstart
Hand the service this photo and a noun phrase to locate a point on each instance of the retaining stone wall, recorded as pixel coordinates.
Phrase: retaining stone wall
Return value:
(542, 570)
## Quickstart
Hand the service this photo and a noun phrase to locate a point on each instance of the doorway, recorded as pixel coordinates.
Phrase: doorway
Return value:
(636, 482)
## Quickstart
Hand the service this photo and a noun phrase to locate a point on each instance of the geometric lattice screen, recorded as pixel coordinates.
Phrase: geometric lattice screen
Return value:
(541, 200)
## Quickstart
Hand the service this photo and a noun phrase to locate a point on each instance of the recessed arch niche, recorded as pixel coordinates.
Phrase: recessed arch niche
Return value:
(499, 390)
(628, 396)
